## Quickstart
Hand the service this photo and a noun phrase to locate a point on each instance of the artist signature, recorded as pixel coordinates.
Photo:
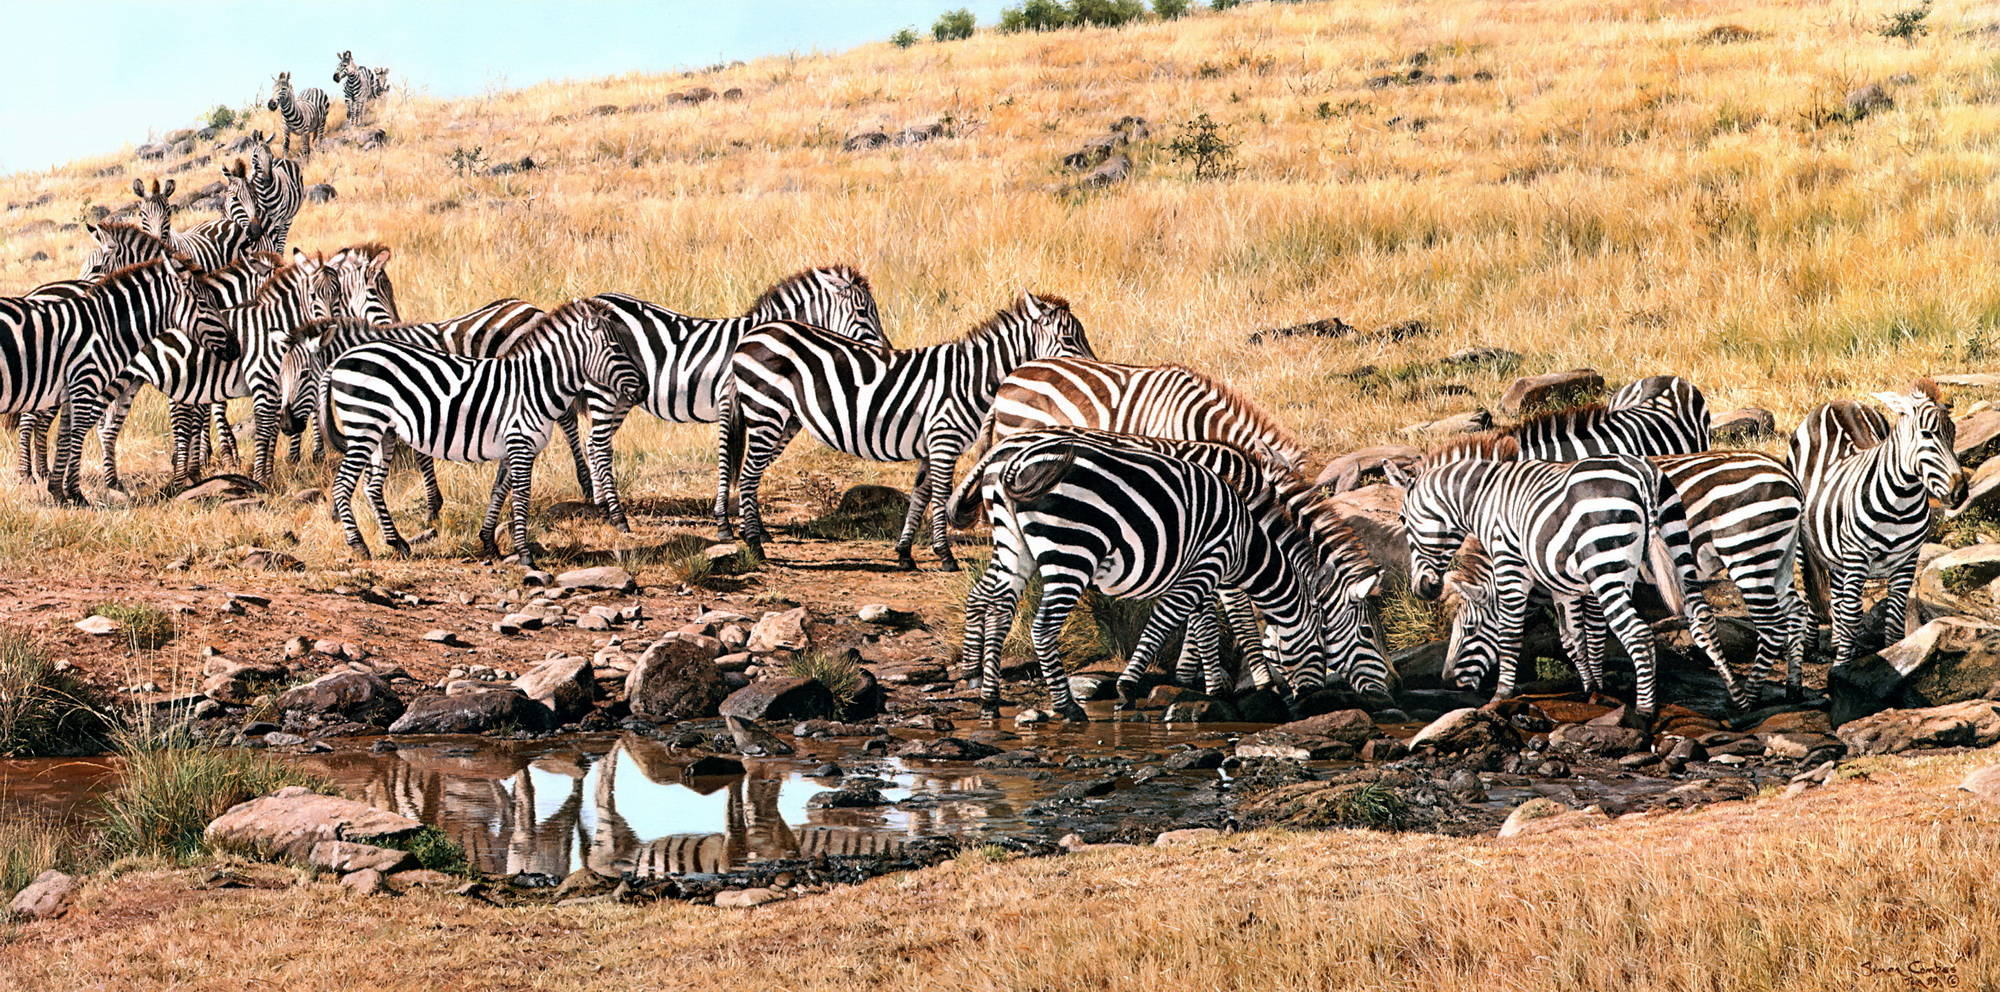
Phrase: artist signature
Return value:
(1915, 974)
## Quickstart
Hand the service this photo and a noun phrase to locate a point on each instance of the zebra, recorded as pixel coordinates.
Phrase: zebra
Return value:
(886, 405)
(285, 297)
(467, 409)
(269, 192)
(1168, 401)
(358, 85)
(33, 425)
(1581, 530)
(1657, 415)
(304, 111)
(1868, 487)
(1095, 511)
(366, 292)
(1302, 561)
(685, 358)
(1743, 510)
(208, 247)
(66, 349)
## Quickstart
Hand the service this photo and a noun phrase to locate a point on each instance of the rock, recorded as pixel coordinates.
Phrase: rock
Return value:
(99, 626)
(220, 487)
(780, 699)
(1948, 660)
(1961, 580)
(754, 740)
(1350, 470)
(1384, 749)
(278, 738)
(1799, 746)
(1201, 711)
(1982, 490)
(776, 632)
(1983, 783)
(1865, 100)
(1795, 722)
(565, 686)
(1186, 836)
(864, 140)
(1030, 717)
(1973, 723)
(1200, 757)
(1352, 726)
(676, 679)
(267, 560)
(745, 898)
(1294, 749)
(1978, 437)
(849, 797)
(1464, 729)
(882, 613)
(346, 855)
(344, 695)
(1470, 422)
(474, 712)
(46, 898)
(1551, 391)
(1589, 738)
(366, 882)
(1112, 170)
(713, 766)
(1374, 514)
(946, 749)
(322, 192)
(1103, 785)
(609, 577)
(288, 823)
(444, 637)
(1748, 424)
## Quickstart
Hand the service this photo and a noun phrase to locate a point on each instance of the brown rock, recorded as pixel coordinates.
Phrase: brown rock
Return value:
(780, 699)
(344, 695)
(1748, 424)
(676, 679)
(1984, 783)
(1533, 393)
(1464, 729)
(745, 898)
(287, 824)
(1374, 513)
(785, 631)
(1978, 436)
(1347, 471)
(564, 685)
(474, 711)
(1592, 738)
(367, 882)
(1795, 722)
(46, 898)
(1974, 723)
(346, 856)
(609, 577)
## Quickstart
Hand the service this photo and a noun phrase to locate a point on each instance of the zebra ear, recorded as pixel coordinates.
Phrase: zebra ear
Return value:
(835, 279)
(1363, 589)
(1901, 404)
(1398, 475)
(1031, 307)
(138, 189)
(379, 262)
(168, 189)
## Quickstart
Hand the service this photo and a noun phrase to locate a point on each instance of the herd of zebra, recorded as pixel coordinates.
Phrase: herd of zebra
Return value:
(1140, 482)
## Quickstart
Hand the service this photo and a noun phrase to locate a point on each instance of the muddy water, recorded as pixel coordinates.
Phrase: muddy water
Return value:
(627, 803)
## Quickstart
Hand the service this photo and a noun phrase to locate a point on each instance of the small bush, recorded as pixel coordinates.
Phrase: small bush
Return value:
(1408, 621)
(1907, 24)
(467, 161)
(1222, 4)
(1204, 143)
(42, 711)
(222, 118)
(838, 672)
(904, 38)
(953, 25)
(434, 850)
(1170, 9)
(147, 628)
(1036, 15)
(1106, 13)
(170, 789)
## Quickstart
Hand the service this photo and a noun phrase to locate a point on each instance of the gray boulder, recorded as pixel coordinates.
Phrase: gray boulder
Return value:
(1974, 723)
(565, 686)
(676, 679)
(288, 823)
(476, 711)
(781, 699)
(343, 696)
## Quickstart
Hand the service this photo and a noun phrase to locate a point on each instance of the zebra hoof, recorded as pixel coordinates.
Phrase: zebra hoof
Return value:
(1073, 713)
(989, 712)
(360, 550)
(624, 526)
(947, 564)
(1128, 695)
(399, 548)
(905, 561)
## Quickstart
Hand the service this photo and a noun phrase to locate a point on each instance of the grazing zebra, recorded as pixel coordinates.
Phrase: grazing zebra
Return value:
(1306, 572)
(1581, 530)
(467, 409)
(1743, 511)
(285, 298)
(685, 358)
(1657, 415)
(1095, 511)
(1169, 401)
(358, 84)
(1868, 487)
(304, 111)
(864, 399)
(365, 290)
(67, 349)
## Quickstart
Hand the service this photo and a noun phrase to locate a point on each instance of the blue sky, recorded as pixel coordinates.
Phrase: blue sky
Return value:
(107, 73)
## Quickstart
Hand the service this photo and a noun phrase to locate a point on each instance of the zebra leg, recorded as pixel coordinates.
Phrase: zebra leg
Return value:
(761, 444)
(1204, 643)
(1241, 618)
(520, 479)
(1574, 625)
(264, 445)
(378, 485)
(293, 447)
(1849, 614)
(42, 440)
(1896, 602)
(989, 611)
(604, 425)
(1059, 595)
(225, 439)
(489, 525)
(80, 414)
(1510, 598)
(352, 466)
(919, 494)
(1802, 633)
(584, 476)
(1771, 615)
(943, 463)
(1615, 602)
(107, 436)
(1170, 612)
(433, 496)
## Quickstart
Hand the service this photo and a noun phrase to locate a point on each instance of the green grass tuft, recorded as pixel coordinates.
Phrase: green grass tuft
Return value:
(43, 711)
(838, 672)
(170, 789)
(147, 628)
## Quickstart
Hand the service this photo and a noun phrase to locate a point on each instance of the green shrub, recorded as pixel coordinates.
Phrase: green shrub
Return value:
(904, 38)
(1170, 9)
(1036, 15)
(1106, 13)
(838, 672)
(146, 628)
(170, 789)
(42, 711)
(953, 25)
(1222, 4)
(435, 851)
(1204, 143)
(222, 118)
(1907, 24)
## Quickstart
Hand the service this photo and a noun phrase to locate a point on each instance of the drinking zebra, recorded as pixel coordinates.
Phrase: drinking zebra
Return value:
(304, 111)
(282, 298)
(1306, 573)
(67, 349)
(919, 404)
(1868, 487)
(1580, 530)
(1657, 415)
(1168, 401)
(358, 84)
(467, 409)
(1742, 510)
(685, 358)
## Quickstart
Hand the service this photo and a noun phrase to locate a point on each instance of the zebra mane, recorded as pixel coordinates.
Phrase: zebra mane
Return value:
(126, 272)
(995, 325)
(1256, 415)
(551, 324)
(1560, 418)
(1486, 446)
(1313, 510)
(125, 231)
(1928, 388)
(847, 272)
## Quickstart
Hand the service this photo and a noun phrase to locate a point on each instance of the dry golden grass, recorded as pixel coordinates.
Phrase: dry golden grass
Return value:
(1830, 890)
(1620, 194)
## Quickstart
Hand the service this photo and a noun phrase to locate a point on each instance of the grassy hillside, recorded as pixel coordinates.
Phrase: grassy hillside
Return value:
(1635, 186)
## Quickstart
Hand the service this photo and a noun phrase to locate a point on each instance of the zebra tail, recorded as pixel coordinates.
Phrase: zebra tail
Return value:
(962, 509)
(1026, 479)
(329, 426)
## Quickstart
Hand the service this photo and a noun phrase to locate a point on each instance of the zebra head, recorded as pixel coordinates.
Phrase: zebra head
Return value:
(239, 200)
(1473, 652)
(1049, 329)
(1432, 522)
(365, 292)
(120, 245)
(611, 353)
(1923, 439)
(321, 290)
(298, 376)
(381, 79)
(346, 66)
(261, 155)
(281, 91)
(1350, 632)
(845, 305)
(156, 215)
(192, 298)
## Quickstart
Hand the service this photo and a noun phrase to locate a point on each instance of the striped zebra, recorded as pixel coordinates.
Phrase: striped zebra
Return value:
(1134, 523)
(1868, 487)
(208, 247)
(267, 191)
(1657, 415)
(1743, 510)
(358, 85)
(34, 426)
(1580, 530)
(921, 404)
(467, 409)
(1306, 573)
(366, 293)
(304, 111)
(685, 358)
(282, 299)
(67, 349)
(1168, 401)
